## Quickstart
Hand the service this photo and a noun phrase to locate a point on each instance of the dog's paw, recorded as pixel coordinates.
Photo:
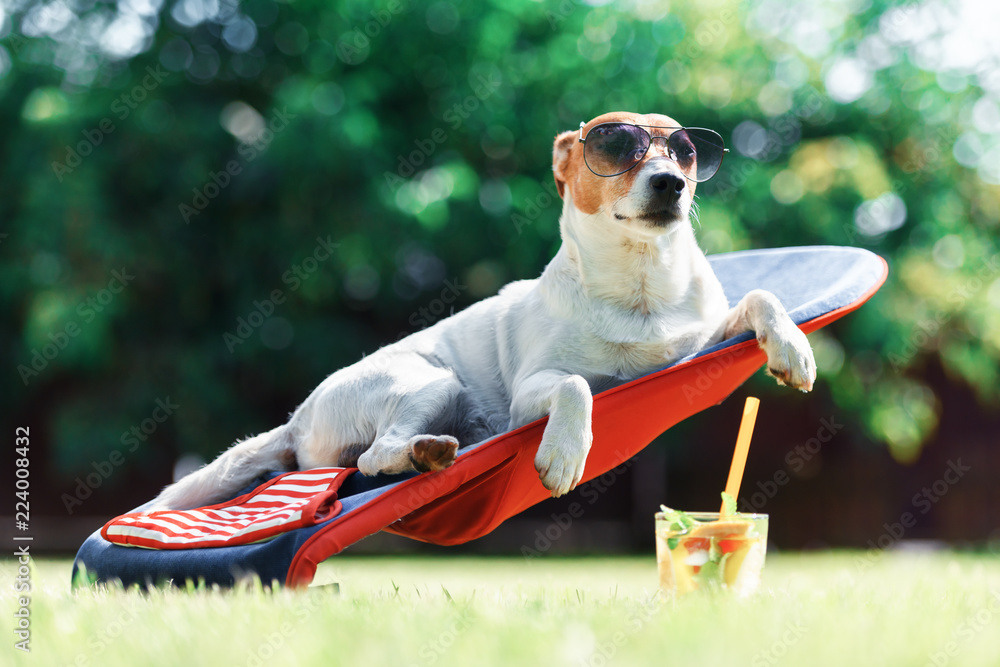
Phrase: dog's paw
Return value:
(432, 452)
(560, 463)
(789, 357)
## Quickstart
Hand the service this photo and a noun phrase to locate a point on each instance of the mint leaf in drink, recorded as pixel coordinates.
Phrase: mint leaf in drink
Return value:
(729, 504)
(679, 522)
(714, 551)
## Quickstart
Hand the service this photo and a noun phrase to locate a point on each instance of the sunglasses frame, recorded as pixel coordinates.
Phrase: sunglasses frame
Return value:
(583, 140)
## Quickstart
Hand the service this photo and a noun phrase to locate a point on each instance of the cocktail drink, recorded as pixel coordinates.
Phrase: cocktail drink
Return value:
(706, 550)
(721, 550)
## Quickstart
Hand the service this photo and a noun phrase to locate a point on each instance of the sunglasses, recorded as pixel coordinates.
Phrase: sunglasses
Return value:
(611, 149)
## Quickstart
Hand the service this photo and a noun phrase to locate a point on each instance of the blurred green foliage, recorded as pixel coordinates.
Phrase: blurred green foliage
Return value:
(210, 150)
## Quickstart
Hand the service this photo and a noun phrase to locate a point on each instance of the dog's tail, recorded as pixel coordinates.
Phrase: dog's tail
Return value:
(233, 470)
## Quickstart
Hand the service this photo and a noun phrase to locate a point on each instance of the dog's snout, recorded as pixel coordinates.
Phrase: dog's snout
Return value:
(667, 184)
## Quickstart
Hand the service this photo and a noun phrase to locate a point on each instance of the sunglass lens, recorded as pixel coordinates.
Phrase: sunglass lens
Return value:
(697, 152)
(613, 148)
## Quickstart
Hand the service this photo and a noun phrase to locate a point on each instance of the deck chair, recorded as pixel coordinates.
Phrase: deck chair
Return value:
(493, 480)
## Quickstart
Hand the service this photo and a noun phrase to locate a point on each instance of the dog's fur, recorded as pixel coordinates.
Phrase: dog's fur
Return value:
(628, 292)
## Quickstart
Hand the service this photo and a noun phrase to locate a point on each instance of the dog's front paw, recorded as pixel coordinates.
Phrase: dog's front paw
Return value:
(432, 452)
(560, 462)
(789, 357)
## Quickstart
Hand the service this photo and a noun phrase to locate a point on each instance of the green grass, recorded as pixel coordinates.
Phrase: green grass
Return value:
(817, 609)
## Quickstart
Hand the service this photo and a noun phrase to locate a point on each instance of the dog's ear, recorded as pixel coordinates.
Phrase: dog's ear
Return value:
(560, 158)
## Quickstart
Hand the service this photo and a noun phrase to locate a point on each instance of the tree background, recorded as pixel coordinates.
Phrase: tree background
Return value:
(208, 151)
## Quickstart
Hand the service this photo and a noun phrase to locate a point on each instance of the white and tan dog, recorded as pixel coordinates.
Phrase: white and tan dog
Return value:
(628, 292)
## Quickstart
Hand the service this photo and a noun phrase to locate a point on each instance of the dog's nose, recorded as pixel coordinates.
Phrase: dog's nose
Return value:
(667, 184)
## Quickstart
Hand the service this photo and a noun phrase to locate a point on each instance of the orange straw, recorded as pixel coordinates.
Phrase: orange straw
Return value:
(742, 449)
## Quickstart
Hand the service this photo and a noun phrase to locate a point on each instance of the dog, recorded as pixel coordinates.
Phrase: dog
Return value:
(628, 292)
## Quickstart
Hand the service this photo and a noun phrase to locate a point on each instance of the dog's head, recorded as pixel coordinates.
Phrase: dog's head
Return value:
(649, 196)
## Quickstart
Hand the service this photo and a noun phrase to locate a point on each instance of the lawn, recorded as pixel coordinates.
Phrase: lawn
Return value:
(816, 609)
